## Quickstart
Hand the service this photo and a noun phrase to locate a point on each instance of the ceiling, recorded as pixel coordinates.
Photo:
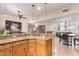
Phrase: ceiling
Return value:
(27, 9)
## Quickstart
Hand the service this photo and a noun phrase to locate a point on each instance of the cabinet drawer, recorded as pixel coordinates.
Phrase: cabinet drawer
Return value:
(41, 42)
(8, 45)
(4, 46)
(24, 41)
(8, 52)
(31, 49)
(18, 51)
(31, 53)
(31, 40)
(1, 53)
(20, 42)
(31, 46)
(41, 52)
(16, 43)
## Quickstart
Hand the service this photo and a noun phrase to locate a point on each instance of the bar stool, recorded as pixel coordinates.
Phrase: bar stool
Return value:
(75, 41)
(66, 40)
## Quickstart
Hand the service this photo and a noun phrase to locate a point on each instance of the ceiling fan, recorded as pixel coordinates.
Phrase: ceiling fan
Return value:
(20, 16)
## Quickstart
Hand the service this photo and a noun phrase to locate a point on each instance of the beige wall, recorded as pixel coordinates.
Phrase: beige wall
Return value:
(13, 18)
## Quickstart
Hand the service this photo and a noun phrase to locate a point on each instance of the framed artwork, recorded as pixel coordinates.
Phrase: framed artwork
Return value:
(13, 26)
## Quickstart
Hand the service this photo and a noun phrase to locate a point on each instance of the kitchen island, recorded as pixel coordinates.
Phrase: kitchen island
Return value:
(25, 45)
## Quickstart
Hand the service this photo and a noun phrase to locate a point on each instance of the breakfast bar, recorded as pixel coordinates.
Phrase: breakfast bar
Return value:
(25, 45)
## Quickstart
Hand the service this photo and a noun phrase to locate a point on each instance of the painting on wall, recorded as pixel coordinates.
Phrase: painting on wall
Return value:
(13, 26)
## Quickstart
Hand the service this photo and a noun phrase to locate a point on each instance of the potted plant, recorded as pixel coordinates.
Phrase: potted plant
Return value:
(1, 30)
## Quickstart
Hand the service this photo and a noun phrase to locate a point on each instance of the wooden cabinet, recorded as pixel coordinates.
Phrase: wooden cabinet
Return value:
(31, 47)
(44, 47)
(6, 49)
(25, 47)
(20, 49)
(49, 47)
(1, 53)
(40, 48)
(8, 52)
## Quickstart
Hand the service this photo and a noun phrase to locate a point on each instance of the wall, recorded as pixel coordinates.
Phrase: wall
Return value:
(13, 18)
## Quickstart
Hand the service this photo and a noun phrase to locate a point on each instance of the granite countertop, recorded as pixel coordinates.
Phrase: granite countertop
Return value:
(9, 39)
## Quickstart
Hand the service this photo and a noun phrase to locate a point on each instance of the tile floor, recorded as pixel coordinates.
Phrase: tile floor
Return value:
(63, 50)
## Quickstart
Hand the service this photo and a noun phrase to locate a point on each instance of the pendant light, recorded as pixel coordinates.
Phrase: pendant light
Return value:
(39, 7)
(65, 25)
(5, 13)
(33, 14)
(45, 16)
(33, 11)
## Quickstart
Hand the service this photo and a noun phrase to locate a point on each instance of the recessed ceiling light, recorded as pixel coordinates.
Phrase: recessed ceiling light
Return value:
(39, 8)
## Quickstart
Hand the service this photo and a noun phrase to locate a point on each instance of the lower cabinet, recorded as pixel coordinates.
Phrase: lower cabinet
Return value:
(29, 47)
(44, 47)
(32, 47)
(1, 53)
(49, 49)
(18, 51)
(6, 52)
(40, 48)
(25, 49)
(6, 49)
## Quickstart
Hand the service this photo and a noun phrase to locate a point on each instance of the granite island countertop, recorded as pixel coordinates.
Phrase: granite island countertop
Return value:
(10, 39)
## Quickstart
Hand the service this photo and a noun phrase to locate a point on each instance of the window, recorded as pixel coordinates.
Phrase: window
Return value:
(71, 27)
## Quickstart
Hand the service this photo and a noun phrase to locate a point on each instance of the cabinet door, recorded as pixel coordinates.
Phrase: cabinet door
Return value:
(8, 52)
(1, 53)
(40, 48)
(31, 47)
(25, 49)
(18, 51)
(49, 47)
(20, 48)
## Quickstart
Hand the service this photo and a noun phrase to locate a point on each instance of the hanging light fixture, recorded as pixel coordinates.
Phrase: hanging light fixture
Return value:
(45, 16)
(39, 7)
(65, 25)
(5, 13)
(33, 12)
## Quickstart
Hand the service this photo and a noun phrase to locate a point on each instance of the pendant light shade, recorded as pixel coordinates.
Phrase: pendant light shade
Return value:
(65, 25)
